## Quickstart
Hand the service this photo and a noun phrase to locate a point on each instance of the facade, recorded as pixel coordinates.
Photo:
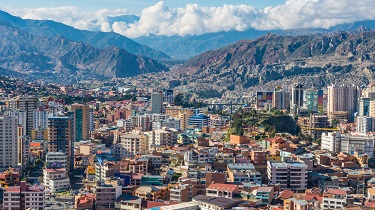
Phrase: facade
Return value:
(105, 196)
(337, 142)
(264, 100)
(281, 100)
(9, 142)
(334, 199)
(365, 124)
(56, 160)
(82, 121)
(61, 136)
(343, 98)
(28, 104)
(364, 107)
(199, 120)
(243, 173)
(168, 96)
(55, 180)
(222, 190)
(297, 95)
(292, 176)
(156, 102)
(130, 145)
(313, 100)
(24, 197)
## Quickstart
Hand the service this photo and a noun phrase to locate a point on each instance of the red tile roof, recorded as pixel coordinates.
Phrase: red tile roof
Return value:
(336, 191)
(226, 187)
(285, 194)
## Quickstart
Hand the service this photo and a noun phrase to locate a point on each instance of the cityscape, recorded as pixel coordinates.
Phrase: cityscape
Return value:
(161, 108)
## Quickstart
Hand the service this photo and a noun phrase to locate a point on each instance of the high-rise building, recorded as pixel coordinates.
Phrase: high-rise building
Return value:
(168, 96)
(364, 107)
(28, 104)
(81, 121)
(280, 100)
(61, 136)
(343, 98)
(156, 102)
(297, 95)
(313, 100)
(365, 124)
(8, 142)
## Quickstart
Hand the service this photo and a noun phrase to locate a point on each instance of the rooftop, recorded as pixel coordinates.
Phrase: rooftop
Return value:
(226, 187)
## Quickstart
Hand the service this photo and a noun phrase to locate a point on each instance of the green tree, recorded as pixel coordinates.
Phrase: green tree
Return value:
(179, 99)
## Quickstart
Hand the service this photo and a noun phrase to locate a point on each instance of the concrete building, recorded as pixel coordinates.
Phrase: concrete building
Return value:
(364, 107)
(61, 136)
(56, 160)
(347, 143)
(313, 100)
(281, 100)
(28, 104)
(156, 102)
(105, 196)
(334, 199)
(8, 142)
(243, 173)
(168, 96)
(183, 191)
(24, 197)
(163, 137)
(131, 145)
(199, 120)
(82, 121)
(55, 180)
(297, 95)
(365, 124)
(222, 190)
(292, 176)
(343, 98)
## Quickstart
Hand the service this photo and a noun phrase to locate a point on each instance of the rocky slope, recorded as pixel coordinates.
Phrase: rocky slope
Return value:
(101, 40)
(61, 58)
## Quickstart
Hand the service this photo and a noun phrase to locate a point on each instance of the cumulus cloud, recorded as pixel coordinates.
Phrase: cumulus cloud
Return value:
(194, 19)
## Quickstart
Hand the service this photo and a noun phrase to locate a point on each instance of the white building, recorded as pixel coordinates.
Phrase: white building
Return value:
(365, 124)
(130, 145)
(8, 142)
(55, 180)
(162, 137)
(343, 98)
(126, 124)
(292, 176)
(348, 143)
(334, 199)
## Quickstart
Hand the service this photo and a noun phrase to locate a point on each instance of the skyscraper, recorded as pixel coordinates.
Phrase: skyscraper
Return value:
(156, 102)
(8, 142)
(61, 135)
(364, 107)
(297, 95)
(280, 99)
(81, 121)
(343, 98)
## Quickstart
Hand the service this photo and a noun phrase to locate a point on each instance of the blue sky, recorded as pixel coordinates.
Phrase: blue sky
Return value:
(132, 5)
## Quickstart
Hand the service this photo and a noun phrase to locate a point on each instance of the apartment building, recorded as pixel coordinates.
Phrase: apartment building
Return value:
(23, 197)
(292, 176)
(243, 172)
(8, 142)
(334, 199)
(222, 190)
(55, 180)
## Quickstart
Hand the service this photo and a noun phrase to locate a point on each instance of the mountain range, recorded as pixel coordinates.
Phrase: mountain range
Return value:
(61, 58)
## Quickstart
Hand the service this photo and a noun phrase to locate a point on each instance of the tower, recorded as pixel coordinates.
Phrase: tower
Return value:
(297, 95)
(81, 121)
(8, 142)
(156, 102)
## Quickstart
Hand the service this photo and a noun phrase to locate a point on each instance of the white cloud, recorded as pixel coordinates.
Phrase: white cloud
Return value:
(195, 19)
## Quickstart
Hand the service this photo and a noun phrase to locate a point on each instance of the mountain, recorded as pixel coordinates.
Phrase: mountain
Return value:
(185, 47)
(273, 60)
(61, 58)
(101, 40)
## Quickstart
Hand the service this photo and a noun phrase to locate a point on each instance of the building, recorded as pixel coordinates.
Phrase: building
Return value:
(9, 142)
(297, 95)
(243, 173)
(181, 113)
(217, 203)
(24, 197)
(265, 194)
(168, 96)
(314, 125)
(61, 136)
(130, 145)
(28, 104)
(199, 120)
(343, 98)
(55, 180)
(105, 196)
(334, 199)
(347, 143)
(364, 107)
(81, 121)
(291, 176)
(56, 160)
(9, 178)
(365, 124)
(183, 191)
(156, 102)
(281, 100)
(313, 100)
(163, 137)
(222, 190)
(264, 100)
(151, 193)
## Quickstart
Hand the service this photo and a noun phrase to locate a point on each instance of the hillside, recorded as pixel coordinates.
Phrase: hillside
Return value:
(59, 57)
(101, 40)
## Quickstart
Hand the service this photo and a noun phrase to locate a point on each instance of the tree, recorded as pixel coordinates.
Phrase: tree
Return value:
(178, 100)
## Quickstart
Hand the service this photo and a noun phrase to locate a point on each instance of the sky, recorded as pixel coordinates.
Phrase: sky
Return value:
(186, 17)
(135, 6)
